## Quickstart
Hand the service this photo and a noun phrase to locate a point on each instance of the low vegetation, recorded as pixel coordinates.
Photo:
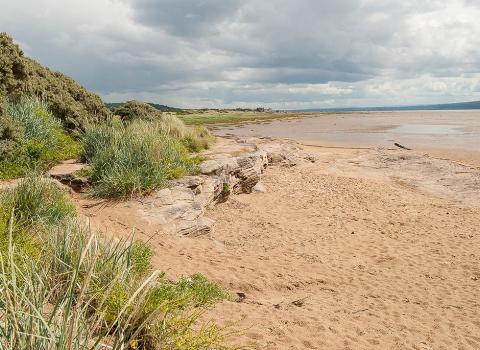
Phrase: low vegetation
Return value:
(202, 117)
(131, 155)
(64, 287)
(195, 138)
(133, 158)
(32, 138)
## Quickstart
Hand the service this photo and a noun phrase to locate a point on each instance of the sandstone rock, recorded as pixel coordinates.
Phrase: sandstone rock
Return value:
(192, 182)
(286, 154)
(199, 227)
(247, 179)
(66, 173)
(180, 208)
(218, 166)
(259, 188)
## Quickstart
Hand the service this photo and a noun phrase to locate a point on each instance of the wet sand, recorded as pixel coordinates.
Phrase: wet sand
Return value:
(445, 134)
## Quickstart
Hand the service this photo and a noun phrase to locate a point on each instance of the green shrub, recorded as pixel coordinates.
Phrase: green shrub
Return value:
(135, 110)
(134, 158)
(68, 101)
(34, 140)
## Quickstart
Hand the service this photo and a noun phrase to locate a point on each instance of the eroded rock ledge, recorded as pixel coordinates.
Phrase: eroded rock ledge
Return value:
(182, 206)
(180, 209)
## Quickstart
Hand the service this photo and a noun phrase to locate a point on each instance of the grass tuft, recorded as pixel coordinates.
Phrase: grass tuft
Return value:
(77, 290)
(129, 159)
(34, 139)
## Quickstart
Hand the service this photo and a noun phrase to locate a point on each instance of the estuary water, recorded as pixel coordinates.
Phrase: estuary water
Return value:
(443, 133)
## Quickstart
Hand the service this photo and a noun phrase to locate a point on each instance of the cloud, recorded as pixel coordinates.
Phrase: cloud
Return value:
(307, 53)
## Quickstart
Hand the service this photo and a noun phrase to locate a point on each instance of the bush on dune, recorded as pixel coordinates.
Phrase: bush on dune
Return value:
(32, 138)
(21, 76)
(195, 139)
(78, 291)
(134, 158)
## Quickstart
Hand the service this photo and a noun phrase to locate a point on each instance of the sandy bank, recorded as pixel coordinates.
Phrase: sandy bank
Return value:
(363, 249)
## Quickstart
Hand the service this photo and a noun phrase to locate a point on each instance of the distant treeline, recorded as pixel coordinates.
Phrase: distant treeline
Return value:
(162, 108)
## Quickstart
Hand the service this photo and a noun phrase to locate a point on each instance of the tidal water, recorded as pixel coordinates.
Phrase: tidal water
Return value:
(447, 130)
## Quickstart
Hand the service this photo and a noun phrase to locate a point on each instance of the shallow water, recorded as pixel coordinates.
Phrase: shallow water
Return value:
(447, 132)
(428, 129)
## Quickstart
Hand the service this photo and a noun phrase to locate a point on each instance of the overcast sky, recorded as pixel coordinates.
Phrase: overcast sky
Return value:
(280, 53)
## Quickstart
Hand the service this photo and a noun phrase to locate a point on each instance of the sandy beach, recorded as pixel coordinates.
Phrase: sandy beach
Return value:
(363, 249)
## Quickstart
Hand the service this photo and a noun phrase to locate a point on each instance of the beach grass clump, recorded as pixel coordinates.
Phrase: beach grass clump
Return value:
(194, 138)
(76, 290)
(35, 204)
(133, 158)
(32, 138)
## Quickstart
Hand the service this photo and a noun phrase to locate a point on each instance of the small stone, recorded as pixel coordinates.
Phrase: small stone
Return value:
(259, 188)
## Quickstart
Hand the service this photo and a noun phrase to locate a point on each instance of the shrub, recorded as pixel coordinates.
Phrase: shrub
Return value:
(69, 102)
(134, 158)
(134, 110)
(34, 138)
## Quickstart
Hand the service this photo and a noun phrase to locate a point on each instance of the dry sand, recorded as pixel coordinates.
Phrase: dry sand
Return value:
(360, 250)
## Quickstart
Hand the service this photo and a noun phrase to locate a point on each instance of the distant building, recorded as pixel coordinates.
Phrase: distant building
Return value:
(263, 109)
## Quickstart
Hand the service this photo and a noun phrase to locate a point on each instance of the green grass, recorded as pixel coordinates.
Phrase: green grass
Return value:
(129, 159)
(195, 139)
(232, 117)
(76, 290)
(33, 205)
(34, 140)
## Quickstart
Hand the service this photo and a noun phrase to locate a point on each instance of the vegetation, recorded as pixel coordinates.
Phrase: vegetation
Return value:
(61, 285)
(201, 117)
(69, 102)
(32, 138)
(133, 158)
(195, 139)
(161, 108)
(71, 289)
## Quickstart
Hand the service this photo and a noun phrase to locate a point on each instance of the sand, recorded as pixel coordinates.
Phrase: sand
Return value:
(361, 250)
(440, 133)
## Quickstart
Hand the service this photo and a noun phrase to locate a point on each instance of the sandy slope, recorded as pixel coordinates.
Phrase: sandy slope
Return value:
(346, 253)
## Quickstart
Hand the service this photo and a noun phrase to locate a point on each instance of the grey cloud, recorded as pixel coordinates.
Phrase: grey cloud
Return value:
(229, 52)
(184, 18)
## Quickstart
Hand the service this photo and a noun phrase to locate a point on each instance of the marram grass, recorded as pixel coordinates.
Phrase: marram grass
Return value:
(129, 159)
(77, 290)
(33, 138)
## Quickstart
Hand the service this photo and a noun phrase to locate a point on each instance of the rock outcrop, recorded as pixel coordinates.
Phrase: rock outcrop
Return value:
(180, 209)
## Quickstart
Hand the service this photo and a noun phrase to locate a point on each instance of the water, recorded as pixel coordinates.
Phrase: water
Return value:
(427, 129)
(424, 130)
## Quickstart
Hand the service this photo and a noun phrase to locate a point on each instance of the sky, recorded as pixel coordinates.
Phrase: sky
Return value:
(284, 54)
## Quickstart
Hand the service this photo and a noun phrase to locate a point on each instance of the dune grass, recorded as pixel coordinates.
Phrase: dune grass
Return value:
(129, 159)
(33, 139)
(76, 290)
(195, 139)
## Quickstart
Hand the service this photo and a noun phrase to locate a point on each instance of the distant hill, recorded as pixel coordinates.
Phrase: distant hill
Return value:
(437, 107)
(70, 102)
(162, 108)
